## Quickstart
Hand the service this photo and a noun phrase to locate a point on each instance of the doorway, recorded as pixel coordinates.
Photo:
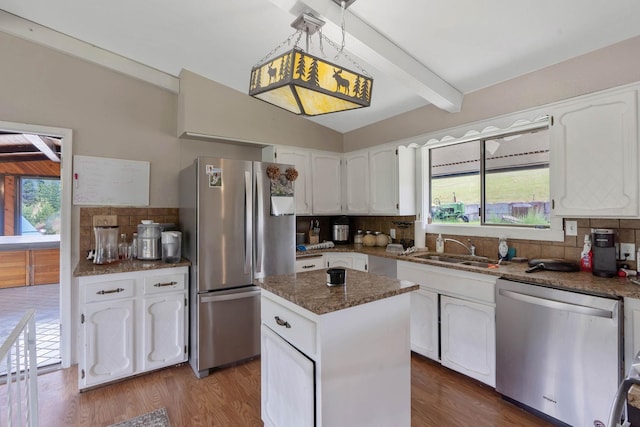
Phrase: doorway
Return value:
(50, 294)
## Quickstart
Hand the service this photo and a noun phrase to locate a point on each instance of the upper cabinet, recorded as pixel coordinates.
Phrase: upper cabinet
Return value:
(380, 181)
(301, 159)
(356, 183)
(594, 156)
(326, 183)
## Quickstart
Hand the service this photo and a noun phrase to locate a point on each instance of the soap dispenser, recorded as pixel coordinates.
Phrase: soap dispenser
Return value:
(503, 247)
(439, 244)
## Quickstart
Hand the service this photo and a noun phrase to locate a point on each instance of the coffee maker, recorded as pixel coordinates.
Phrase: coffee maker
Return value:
(603, 246)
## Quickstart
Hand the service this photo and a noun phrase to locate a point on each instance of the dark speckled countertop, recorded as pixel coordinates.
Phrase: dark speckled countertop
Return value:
(309, 289)
(88, 268)
(584, 282)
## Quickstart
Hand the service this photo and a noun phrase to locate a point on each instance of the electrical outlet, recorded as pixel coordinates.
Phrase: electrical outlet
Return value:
(392, 233)
(108, 220)
(571, 228)
(628, 248)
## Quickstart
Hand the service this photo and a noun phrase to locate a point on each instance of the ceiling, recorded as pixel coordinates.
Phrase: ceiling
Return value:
(419, 52)
(16, 148)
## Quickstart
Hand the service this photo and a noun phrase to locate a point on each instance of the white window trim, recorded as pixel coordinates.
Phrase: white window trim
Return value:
(554, 233)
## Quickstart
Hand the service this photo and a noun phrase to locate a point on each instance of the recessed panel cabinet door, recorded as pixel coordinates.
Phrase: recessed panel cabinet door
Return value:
(356, 176)
(288, 384)
(164, 331)
(327, 193)
(108, 341)
(468, 338)
(594, 156)
(301, 159)
(424, 323)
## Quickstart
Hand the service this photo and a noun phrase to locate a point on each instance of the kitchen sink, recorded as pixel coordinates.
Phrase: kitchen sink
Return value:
(461, 261)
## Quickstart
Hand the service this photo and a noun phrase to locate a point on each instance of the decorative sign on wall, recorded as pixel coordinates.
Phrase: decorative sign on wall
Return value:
(110, 182)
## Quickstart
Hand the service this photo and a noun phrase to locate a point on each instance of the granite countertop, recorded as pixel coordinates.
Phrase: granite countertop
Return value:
(309, 289)
(584, 282)
(88, 268)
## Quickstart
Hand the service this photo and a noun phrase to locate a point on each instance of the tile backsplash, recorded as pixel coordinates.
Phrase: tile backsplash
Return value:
(128, 220)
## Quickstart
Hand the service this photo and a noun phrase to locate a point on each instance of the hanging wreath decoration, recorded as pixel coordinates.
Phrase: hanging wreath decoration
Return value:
(273, 172)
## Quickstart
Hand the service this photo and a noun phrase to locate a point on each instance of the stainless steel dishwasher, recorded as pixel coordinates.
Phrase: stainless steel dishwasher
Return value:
(558, 352)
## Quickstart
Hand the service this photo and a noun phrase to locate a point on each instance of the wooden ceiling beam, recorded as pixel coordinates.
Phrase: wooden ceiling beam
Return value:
(47, 146)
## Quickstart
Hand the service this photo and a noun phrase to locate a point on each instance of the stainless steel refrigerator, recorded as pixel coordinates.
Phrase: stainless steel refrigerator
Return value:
(237, 225)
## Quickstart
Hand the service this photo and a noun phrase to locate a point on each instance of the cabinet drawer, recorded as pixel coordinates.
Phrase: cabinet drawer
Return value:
(108, 290)
(164, 283)
(309, 263)
(296, 329)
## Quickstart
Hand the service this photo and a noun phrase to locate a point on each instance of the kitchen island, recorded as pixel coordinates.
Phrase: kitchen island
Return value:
(335, 356)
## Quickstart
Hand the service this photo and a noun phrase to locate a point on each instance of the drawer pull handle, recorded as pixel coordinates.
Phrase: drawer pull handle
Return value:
(308, 266)
(281, 322)
(159, 285)
(112, 291)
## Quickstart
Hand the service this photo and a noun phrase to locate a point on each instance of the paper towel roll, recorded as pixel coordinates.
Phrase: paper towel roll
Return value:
(419, 234)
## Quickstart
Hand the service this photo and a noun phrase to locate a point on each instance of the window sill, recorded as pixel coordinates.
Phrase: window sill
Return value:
(553, 234)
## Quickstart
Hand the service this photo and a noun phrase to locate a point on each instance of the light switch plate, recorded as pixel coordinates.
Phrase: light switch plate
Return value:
(571, 228)
(392, 233)
(108, 220)
(628, 248)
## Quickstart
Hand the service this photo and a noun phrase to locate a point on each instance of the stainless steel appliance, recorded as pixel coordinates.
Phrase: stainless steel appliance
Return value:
(231, 235)
(558, 352)
(341, 230)
(603, 245)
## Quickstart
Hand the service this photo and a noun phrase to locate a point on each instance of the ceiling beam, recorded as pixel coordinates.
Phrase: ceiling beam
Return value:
(47, 147)
(371, 46)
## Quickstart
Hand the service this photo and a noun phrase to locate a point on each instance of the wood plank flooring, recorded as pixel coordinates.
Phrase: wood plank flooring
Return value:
(231, 398)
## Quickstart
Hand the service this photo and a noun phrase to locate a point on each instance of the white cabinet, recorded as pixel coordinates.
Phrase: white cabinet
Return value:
(308, 263)
(392, 181)
(301, 159)
(424, 323)
(288, 383)
(131, 323)
(326, 183)
(594, 156)
(631, 331)
(466, 323)
(468, 338)
(352, 260)
(356, 183)
(344, 368)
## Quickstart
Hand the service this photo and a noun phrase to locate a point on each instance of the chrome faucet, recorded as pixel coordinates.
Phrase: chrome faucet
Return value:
(471, 248)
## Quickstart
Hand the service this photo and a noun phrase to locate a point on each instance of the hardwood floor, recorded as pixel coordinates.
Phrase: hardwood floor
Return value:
(231, 398)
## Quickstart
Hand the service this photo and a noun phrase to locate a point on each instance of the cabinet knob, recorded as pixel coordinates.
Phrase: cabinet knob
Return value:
(281, 322)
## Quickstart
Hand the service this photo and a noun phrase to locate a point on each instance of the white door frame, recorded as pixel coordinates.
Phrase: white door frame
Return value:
(66, 338)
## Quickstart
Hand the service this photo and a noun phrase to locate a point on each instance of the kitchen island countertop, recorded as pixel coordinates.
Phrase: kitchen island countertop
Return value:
(309, 289)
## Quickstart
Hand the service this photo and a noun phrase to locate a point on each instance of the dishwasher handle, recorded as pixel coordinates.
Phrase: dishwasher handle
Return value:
(559, 305)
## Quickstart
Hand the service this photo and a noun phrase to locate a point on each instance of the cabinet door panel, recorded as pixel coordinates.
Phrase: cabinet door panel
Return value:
(108, 341)
(326, 184)
(288, 383)
(424, 323)
(383, 181)
(468, 338)
(164, 331)
(594, 156)
(302, 186)
(356, 175)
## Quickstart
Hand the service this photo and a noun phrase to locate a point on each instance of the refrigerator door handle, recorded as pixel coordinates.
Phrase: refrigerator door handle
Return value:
(247, 222)
(259, 223)
(229, 297)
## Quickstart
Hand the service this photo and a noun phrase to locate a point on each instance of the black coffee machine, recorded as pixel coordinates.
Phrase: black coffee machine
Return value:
(603, 245)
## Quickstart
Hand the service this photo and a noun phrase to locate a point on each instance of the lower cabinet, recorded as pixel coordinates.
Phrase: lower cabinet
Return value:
(424, 323)
(352, 260)
(308, 263)
(468, 338)
(131, 323)
(453, 318)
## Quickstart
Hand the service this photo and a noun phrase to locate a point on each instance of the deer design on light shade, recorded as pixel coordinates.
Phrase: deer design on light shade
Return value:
(341, 81)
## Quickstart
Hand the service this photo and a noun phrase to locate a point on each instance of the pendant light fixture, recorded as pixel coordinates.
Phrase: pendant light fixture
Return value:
(306, 84)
